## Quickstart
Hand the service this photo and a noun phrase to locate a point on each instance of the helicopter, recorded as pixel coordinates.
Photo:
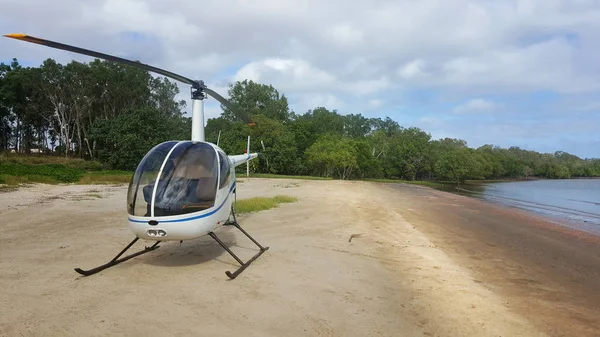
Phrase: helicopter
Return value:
(180, 190)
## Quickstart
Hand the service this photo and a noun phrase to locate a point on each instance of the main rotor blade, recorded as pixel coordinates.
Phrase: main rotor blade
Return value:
(57, 45)
(236, 111)
(195, 84)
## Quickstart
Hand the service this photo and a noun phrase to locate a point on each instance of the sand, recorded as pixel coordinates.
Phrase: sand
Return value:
(402, 274)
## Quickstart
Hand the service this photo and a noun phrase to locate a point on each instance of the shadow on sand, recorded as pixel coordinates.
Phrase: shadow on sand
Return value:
(198, 251)
(192, 252)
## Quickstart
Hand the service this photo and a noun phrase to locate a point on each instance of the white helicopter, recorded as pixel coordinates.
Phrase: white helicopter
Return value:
(181, 190)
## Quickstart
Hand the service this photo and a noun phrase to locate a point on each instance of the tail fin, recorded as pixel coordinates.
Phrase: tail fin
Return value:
(248, 162)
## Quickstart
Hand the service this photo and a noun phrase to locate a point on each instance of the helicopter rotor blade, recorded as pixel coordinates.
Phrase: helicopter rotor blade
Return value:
(236, 111)
(196, 84)
(57, 45)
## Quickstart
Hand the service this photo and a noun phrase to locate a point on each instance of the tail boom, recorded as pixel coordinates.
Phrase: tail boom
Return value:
(242, 158)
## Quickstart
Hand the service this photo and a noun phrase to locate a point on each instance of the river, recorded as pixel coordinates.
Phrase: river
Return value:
(571, 202)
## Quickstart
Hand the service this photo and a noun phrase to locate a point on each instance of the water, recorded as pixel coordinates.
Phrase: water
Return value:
(572, 202)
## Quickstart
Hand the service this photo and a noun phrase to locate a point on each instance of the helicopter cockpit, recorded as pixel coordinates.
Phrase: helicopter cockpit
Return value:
(187, 183)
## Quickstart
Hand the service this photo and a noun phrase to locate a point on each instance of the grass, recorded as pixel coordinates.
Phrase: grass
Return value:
(5, 188)
(105, 177)
(56, 175)
(262, 203)
(18, 170)
(14, 181)
(33, 159)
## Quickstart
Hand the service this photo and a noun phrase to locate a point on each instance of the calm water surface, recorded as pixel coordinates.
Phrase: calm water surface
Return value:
(572, 202)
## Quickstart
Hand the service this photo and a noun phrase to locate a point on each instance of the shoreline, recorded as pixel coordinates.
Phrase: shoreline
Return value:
(538, 219)
(537, 209)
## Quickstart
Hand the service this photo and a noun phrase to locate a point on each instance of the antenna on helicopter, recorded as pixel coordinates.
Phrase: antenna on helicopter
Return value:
(218, 137)
(199, 90)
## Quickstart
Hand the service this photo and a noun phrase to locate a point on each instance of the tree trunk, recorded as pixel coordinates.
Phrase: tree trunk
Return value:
(79, 142)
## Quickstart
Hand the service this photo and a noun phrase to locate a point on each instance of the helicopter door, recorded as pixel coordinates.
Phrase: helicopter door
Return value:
(189, 184)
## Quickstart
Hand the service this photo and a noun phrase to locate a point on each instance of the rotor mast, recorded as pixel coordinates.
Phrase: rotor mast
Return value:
(198, 96)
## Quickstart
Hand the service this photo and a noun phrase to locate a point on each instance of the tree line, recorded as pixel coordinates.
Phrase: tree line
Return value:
(114, 114)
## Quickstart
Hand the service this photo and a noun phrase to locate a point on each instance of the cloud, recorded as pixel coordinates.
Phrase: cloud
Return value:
(288, 74)
(356, 56)
(299, 75)
(375, 103)
(345, 35)
(475, 105)
(412, 69)
(328, 101)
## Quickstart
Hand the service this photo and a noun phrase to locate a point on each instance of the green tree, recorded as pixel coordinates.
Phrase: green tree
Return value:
(356, 125)
(368, 166)
(124, 140)
(115, 113)
(257, 99)
(279, 155)
(332, 156)
(456, 165)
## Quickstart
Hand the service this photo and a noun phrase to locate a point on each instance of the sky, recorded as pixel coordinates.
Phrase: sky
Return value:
(504, 72)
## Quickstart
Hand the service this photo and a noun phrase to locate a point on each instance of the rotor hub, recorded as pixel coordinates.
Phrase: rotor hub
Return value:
(197, 90)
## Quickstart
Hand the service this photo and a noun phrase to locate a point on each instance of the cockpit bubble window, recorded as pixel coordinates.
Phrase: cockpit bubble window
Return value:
(188, 182)
(146, 172)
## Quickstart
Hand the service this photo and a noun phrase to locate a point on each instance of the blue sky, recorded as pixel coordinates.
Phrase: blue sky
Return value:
(509, 73)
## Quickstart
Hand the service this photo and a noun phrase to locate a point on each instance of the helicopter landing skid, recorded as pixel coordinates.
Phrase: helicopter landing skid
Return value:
(243, 265)
(116, 259)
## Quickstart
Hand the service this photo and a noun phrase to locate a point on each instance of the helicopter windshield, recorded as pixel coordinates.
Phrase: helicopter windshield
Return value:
(145, 173)
(187, 183)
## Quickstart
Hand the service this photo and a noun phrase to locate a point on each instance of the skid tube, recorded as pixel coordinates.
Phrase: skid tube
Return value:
(116, 259)
(243, 264)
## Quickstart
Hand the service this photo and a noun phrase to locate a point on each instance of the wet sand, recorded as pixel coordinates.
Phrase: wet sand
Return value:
(546, 272)
(420, 263)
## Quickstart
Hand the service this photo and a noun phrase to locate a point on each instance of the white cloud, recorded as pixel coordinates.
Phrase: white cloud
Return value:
(412, 69)
(289, 74)
(311, 101)
(375, 103)
(549, 65)
(476, 105)
(311, 86)
(346, 35)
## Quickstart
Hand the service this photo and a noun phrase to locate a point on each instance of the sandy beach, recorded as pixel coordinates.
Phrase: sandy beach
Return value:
(421, 263)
